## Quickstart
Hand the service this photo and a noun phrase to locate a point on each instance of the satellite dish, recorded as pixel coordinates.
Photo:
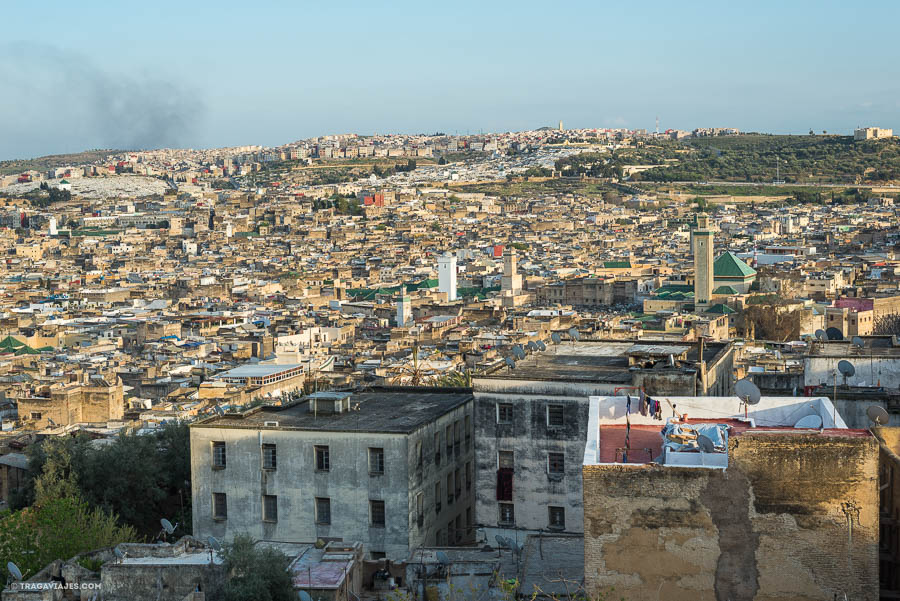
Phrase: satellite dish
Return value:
(519, 352)
(811, 422)
(218, 410)
(821, 335)
(541, 345)
(834, 334)
(304, 596)
(846, 368)
(167, 526)
(442, 558)
(556, 338)
(747, 392)
(531, 346)
(14, 570)
(213, 543)
(501, 542)
(573, 332)
(706, 444)
(519, 548)
(510, 362)
(857, 341)
(877, 415)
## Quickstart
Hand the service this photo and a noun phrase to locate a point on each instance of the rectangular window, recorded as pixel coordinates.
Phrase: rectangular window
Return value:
(468, 426)
(468, 475)
(420, 509)
(449, 440)
(419, 456)
(555, 416)
(505, 459)
(437, 497)
(269, 458)
(376, 461)
(504, 413)
(218, 455)
(376, 513)
(323, 510)
(449, 489)
(36, 415)
(437, 448)
(507, 514)
(556, 463)
(220, 506)
(457, 480)
(323, 459)
(270, 508)
(557, 518)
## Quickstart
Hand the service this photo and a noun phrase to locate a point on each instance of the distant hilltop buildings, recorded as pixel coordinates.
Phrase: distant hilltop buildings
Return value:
(872, 133)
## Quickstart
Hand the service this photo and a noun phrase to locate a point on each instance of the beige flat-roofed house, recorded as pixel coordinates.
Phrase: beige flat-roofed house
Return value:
(872, 133)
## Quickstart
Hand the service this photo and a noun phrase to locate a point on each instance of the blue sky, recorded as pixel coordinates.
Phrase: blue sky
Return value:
(199, 74)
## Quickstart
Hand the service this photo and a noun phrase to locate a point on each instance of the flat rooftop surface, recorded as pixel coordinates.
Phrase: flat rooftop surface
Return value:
(256, 371)
(597, 361)
(391, 410)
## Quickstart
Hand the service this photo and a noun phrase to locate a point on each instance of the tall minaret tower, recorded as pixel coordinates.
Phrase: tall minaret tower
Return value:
(511, 281)
(703, 263)
(447, 275)
(403, 308)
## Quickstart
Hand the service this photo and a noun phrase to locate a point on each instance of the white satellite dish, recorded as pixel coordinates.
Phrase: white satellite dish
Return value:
(810, 422)
(14, 571)
(706, 444)
(877, 415)
(167, 526)
(747, 392)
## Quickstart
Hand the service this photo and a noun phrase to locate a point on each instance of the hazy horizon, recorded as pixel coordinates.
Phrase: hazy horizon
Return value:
(176, 75)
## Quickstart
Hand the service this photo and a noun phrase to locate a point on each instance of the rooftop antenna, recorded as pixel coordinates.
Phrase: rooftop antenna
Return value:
(167, 528)
(810, 422)
(214, 545)
(748, 392)
(14, 571)
(657, 125)
(846, 368)
(877, 415)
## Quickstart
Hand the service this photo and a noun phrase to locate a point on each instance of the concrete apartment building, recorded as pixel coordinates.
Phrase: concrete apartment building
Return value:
(531, 423)
(774, 508)
(390, 468)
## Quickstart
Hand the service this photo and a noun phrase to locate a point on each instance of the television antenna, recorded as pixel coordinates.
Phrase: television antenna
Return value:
(834, 334)
(748, 392)
(14, 571)
(167, 528)
(846, 368)
(877, 415)
(809, 422)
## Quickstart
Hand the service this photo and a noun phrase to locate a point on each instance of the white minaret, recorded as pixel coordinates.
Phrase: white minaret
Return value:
(404, 315)
(229, 230)
(703, 263)
(447, 275)
(53, 226)
(511, 281)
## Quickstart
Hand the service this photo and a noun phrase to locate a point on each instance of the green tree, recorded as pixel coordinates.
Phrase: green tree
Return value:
(258, 573)
(57, 528)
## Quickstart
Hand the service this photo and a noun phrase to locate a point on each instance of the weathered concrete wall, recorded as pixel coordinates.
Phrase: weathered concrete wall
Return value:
(530, 439)
(173, 582)
(870, 370)
(793, 517)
